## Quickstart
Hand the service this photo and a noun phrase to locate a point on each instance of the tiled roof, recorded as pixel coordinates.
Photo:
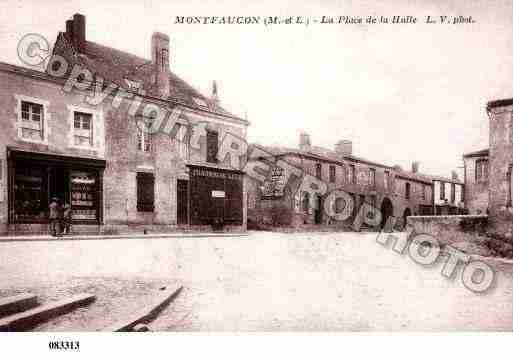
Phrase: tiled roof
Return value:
(324, 154)
(118, 66)
(484, 152)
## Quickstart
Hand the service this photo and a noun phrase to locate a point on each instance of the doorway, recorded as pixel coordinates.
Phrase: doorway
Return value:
(387, 211)
(318, 209)
(58, 184)
(182, 201)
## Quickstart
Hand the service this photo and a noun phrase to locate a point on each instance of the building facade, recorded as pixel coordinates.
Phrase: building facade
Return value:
(500, 164)
(98, 131)
(395, 192)
(476, 181)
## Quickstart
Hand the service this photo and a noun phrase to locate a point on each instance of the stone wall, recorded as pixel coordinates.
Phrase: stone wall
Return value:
(449, 229)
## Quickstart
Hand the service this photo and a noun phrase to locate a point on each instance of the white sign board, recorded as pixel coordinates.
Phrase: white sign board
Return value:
(218, 194)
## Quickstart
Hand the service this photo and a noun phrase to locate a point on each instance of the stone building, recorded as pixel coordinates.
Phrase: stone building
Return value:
(395, 192)
(127, 161)
(476, 181)
(500, 164)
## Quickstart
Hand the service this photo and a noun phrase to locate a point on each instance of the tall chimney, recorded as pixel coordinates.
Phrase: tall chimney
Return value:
(304, 141)
(79, 29)
(415, 166)
(160, 59)
(69, 29)
(215, 97)
(344, 148)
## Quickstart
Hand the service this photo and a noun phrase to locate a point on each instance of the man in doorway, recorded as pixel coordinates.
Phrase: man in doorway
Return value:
(54, 208)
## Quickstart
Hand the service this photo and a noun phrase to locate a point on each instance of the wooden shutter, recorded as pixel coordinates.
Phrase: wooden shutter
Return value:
(145, 192)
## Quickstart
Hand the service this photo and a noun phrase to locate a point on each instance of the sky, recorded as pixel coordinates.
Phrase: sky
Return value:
(401, 93)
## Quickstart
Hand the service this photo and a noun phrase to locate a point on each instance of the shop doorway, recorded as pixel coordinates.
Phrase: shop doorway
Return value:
(58, 184)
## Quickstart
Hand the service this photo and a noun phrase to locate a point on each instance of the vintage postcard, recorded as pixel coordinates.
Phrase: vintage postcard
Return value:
(190, 166)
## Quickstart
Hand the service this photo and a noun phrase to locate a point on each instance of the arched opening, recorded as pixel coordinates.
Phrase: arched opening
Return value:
(318, 209)
(406, 214)
(387, 211)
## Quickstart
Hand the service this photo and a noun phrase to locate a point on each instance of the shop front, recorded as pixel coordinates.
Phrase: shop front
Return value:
(35, 178)
(216, 196)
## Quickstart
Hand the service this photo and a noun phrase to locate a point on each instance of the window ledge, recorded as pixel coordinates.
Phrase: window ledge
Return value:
(40, 142)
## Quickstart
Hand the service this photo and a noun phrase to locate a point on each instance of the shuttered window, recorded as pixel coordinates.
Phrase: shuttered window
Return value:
(145, 192)
(212, 146)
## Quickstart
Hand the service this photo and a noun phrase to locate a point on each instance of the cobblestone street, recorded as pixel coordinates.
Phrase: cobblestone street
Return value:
(264, 281)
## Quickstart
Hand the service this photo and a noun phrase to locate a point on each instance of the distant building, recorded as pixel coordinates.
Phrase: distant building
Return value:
(449, 195)
(395, 192)
(476, 166)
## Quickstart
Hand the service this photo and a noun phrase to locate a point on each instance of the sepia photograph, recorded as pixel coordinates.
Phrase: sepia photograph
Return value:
(264, 167)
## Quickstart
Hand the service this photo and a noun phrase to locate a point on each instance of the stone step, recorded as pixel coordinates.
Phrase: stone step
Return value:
(30, 318)
(17, 303)
(146, 314)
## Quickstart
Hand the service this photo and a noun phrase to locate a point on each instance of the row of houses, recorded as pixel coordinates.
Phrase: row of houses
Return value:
(117, 175)
(390, 189)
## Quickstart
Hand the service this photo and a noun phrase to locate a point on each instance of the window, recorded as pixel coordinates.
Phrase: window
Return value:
(453, 192)
(318, 171)
(387, 180)
(333, 173)
(32, 124)
(442, 190)
(407, 190)
(145, 192)
(212, 146)
(144, 137)
(30, 197)
(83, 129)
(424, 192)
(372, 177)
(481, 170)
(352, 174)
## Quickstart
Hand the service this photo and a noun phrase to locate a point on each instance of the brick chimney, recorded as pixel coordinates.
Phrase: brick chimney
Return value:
(344, 148)
(214, 98)
(415, 167)
(76, 31)
(160, 59)
(304, 141)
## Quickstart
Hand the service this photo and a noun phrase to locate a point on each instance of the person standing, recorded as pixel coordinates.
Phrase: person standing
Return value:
(54, 209)
(66, 219)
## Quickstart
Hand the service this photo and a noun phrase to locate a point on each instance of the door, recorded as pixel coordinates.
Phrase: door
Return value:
(318, 209)
(58, 183)
(182, 199)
